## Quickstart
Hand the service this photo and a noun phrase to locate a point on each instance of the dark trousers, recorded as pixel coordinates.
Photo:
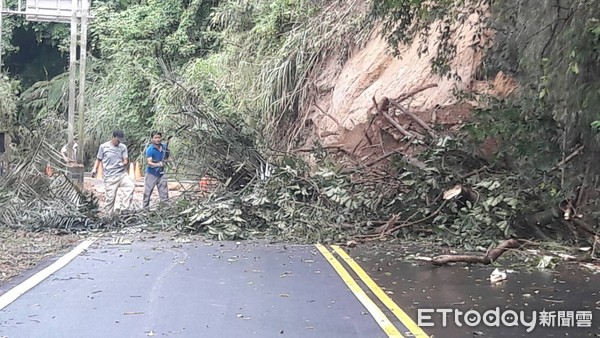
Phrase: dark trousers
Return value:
(152, 181)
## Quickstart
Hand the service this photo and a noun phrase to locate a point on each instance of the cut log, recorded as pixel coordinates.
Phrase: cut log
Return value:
(396, 125)
(451, 193)
(415, 118)
(461, 194)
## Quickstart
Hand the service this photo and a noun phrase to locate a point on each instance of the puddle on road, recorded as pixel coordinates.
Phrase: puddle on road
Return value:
(414, 285)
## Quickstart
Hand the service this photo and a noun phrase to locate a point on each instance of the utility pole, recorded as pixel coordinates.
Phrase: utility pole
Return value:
(6, 141)
(61, 11)
(82, 65)
(1, 15)
(72, 79)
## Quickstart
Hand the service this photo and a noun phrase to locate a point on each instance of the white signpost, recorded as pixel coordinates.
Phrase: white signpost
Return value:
(51, 10)
(61, 11)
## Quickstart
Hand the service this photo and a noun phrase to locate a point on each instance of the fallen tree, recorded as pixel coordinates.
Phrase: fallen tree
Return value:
(442, 193)
(35, 191)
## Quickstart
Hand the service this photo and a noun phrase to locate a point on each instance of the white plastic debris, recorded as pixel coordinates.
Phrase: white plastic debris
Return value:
(497, 276)
(351, 243)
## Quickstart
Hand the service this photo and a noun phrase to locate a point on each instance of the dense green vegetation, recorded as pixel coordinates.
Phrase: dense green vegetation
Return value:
(229, 80)
(217, 49)
(553, 116)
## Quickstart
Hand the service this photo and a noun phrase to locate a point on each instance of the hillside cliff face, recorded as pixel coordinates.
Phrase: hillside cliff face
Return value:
(346, 96)
(544, 57)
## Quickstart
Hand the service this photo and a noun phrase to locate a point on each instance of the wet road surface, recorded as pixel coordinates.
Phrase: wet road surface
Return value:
(192, 290)
(568, 291)
(227, 289)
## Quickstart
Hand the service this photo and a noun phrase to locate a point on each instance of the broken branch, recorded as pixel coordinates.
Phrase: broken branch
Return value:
(474, 172)
(414, 92)
(396, 125)
(307, 150)
(568, 158)
(393, 133)
(415, 118)
(579, 200)
(389, 231)
(585, 227)
(327, 114)
(491, 256)
(395, 151)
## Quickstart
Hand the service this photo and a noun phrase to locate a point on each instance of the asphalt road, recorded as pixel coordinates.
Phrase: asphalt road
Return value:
(192, 290)
(228, 289)
(552, 302)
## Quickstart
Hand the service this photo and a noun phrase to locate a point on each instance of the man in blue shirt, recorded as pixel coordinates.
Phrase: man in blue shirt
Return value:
(156, 154)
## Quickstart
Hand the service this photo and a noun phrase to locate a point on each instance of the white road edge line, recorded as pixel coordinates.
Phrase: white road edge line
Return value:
(34, 280)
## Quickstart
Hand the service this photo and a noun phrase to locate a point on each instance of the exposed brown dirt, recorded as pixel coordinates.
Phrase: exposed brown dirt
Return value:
(502, 86)
(369, 140)
(340, 116)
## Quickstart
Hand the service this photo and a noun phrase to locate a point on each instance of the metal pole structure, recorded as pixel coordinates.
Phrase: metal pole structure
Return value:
(1, 15)
(6, 141)
(82, 65)
(72, 78)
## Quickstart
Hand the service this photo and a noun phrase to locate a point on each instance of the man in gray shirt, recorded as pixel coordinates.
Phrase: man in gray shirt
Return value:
(113, 157)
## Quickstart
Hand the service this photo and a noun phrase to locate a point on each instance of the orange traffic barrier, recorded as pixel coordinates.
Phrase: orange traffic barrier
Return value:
(132, 171)
(138, 170)
(204, 184)
(49, 170)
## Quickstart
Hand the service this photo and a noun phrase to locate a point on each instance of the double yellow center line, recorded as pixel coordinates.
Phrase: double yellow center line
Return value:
(375, 311)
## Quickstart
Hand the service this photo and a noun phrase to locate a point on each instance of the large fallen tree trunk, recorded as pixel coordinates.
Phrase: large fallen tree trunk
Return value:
(491, 256)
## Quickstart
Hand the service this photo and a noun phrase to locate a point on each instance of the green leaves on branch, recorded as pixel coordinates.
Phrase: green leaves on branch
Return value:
(272, 48)
(138, 44)
(170, 29)
(408, 21)
(8, 104)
